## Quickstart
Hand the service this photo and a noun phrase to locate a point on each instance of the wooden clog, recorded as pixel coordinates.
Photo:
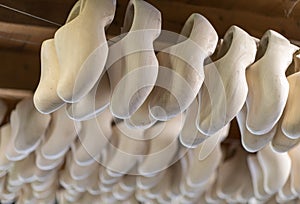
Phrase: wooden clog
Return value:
(125, 188)
(120, 194)
(10, 151)
(23, 120)
(252, 142)
(230, 175)
(5, 131)
(282, 143)
(208, 146)
(294, 176)
(225, 88)
(92, 104)
(43, 185)
(60, 135)
(94, 186)
(190, 136)
(285, 194)
(128, 151)
(82, 185)
(181, 71)
(107, 179)
(142, 117)
(291, 114)
(274, 165)
(144, 182)
(47, 164)
(78, 172)
(45, 98)
(268, 86)
(93, 137)
(162, 147)
(132, 65)
(82, 49)
(201, 170)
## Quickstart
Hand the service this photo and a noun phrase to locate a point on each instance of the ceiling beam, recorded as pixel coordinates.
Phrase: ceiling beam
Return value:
(23, 37)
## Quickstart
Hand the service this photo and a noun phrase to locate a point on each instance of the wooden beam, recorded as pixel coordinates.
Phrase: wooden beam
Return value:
(14, 94)
(23, 37)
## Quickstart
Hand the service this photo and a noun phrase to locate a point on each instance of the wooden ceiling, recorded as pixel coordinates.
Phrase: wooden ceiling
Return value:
(22, 35)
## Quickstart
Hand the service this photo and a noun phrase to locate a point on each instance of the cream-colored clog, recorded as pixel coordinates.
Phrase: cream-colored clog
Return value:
(45, 96)
(24, 119)
(257, 178)
(60, 135)
(132, 65)
(93, 137)
(95, 102)
(268, 86)
(82, 49)
(291, 115)
(163, 145)
(252, 142)
(225, 88)
(274, 165)
(181, 71)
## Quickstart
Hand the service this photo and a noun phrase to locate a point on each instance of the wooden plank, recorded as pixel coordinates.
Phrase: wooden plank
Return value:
(14, 94)
(23, 37)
